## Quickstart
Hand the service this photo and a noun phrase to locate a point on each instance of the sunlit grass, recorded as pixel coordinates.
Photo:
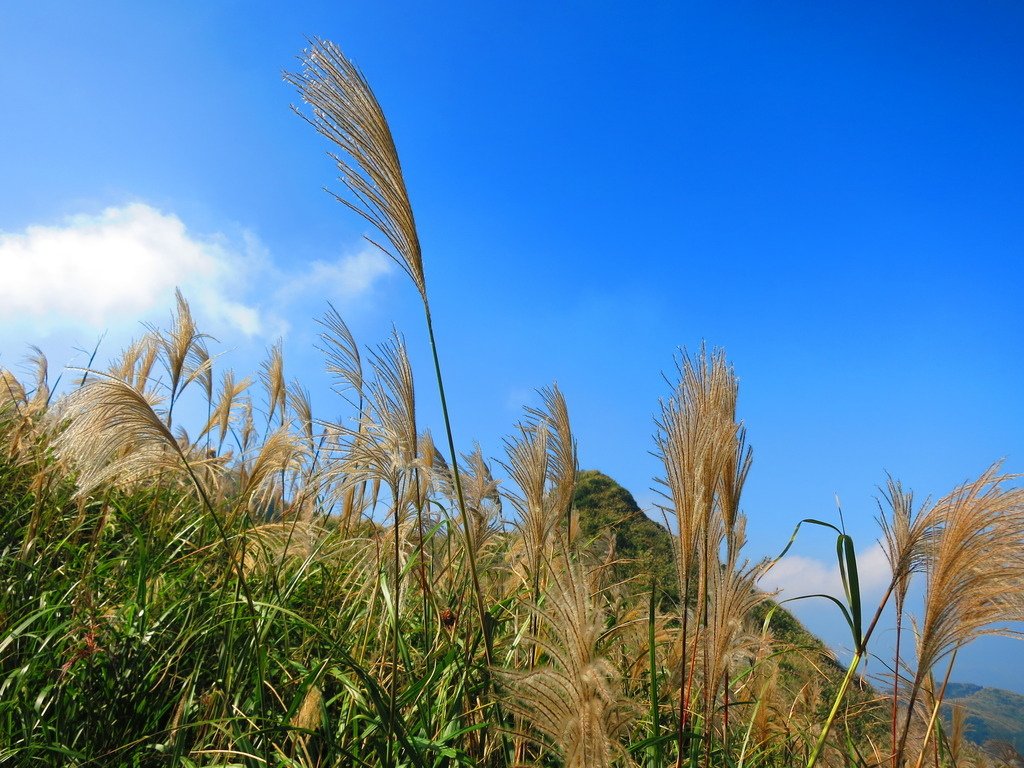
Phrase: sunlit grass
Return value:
(280, 589)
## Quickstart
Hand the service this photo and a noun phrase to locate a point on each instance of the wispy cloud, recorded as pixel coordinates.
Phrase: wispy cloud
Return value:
(797, 575)
(348, 277)
(112, 269)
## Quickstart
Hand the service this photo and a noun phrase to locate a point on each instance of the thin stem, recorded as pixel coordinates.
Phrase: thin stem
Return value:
(911, 701)
(710, 690)
(393, 687)
(896, 683)
(467, 529)
(653, 660)
(725, 714)
(820, 745)
(683, 697)
(935, 710)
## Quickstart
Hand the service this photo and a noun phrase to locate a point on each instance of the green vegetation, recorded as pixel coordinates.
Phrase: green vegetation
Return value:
(643, 547)
(606, 509)
(990, 714)
(276, 589)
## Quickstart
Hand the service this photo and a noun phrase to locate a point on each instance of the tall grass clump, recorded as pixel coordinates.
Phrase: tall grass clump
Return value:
(196, 569)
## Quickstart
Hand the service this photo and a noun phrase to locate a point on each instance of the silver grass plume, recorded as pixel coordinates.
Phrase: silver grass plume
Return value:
(341, 352)
(483, 511)
(345, 111)
(302, 408)
(12, 394)
(483, 500)
(135, 365)
(733, 596)
(527, 467)
(23, 408)
(227, 404)
(542, 462)
(110, 432)
(184, 354)
(903, 532)
(40, 393)
(699, 443)
(573, 698)
(21, 416)
(385, 444)
(735, 467)
(703, 452)
(263, 490)
(246, 426)
(383, 449)
(974, 566)
(563, 464)
(345, 365)
(272, 377)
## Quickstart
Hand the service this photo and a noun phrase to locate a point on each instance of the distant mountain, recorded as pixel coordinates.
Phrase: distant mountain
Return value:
(992, 713)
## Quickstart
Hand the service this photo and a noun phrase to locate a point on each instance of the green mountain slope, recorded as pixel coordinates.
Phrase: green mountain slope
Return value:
(606, 508)
(645, 549)
(992, 713)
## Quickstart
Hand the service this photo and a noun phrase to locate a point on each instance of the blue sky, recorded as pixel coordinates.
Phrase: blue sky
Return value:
(832, 193)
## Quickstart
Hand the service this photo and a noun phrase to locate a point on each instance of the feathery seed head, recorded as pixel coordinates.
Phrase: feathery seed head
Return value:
(573, 699)
(346, 112)
(110, 431)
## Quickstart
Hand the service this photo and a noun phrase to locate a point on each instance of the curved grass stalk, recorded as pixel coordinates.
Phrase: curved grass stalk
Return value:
(346, 112)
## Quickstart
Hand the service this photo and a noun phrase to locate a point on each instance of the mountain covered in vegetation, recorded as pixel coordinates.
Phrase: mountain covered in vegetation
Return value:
(992, 714)
(605, 508)
(645, 556)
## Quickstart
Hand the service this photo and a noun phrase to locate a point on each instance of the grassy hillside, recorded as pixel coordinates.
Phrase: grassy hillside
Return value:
(233, 597)
(993, 714)
(279, 590)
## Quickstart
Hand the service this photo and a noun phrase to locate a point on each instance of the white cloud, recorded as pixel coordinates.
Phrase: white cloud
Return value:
(796, 575)
(347, 278)
(113, 269)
